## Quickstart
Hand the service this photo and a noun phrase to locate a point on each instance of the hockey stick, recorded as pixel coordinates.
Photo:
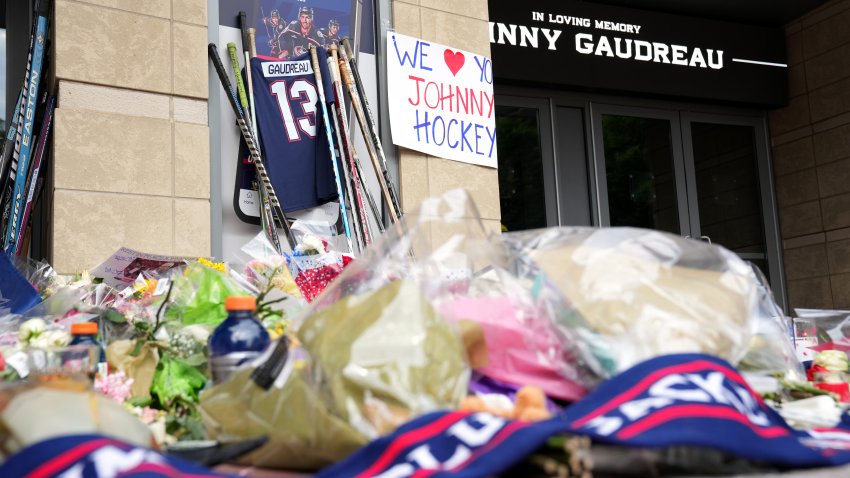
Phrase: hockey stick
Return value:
(9, 170)
(9, 145)
(339, 107)
(347, 164)
(14, 226)
(240, 85)
(38, 161)
(372, 206)
(349, 186)
(373, 143)
(265, 213)
(317, 71)
(243, 25)
(262, 175)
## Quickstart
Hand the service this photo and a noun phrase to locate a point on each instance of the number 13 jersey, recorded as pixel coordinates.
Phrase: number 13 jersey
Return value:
(292, 133)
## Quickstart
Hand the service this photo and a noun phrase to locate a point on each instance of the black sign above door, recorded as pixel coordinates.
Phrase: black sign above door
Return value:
(590, 45)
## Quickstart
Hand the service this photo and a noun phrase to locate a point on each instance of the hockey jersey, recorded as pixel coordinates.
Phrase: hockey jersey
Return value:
(292, 132)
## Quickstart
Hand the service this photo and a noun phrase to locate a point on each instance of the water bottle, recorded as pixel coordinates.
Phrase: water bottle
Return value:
(78, 355)
(238, 340)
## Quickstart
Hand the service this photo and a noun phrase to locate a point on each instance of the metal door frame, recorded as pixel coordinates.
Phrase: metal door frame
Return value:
(547, 148)
(598, 158)
(764, 169)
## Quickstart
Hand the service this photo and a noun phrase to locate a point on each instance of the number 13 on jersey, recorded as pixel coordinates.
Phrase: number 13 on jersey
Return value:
(290, 93)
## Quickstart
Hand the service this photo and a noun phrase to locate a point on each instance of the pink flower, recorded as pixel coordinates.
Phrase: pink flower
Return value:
(115, 386)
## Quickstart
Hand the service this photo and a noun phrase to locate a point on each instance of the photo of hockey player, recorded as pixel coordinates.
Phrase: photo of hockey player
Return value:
(275, 26)
(330, 35)
(286, 29)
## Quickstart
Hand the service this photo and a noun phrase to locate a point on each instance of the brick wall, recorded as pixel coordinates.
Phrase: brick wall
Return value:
(811, 159)
(131, 155)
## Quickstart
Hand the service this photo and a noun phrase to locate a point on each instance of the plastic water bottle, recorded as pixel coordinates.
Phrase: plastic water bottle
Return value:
(84, 335)
(238, 340)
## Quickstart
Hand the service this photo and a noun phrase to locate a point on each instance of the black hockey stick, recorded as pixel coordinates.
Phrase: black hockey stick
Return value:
(350, 76)
(247, 135)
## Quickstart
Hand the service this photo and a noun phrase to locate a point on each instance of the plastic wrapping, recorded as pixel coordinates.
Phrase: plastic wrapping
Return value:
(378, 350)
(32, 411)
(646, 293)
(771, 350)
(511, 317)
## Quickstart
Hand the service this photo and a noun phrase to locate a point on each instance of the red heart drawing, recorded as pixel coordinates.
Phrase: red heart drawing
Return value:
(454, 60)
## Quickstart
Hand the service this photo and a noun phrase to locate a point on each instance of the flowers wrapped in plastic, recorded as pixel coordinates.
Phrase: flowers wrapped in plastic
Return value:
(391, 338)
(644, 293)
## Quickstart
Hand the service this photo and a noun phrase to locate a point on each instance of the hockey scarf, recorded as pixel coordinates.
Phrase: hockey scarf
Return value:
(93, 456)
(688, 399)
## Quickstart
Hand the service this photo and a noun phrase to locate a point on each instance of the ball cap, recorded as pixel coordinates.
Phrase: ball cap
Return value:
(84, 328)
(240, 302)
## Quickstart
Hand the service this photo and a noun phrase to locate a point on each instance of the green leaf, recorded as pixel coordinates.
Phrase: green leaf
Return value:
(137, 349)
(176, 380)
(114, 316)
(140, 402)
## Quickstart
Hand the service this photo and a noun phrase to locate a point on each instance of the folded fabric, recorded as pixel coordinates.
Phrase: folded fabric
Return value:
(676, 400)
(97, 456)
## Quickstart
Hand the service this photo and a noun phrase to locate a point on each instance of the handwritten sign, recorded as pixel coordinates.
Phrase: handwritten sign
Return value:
(441, 100)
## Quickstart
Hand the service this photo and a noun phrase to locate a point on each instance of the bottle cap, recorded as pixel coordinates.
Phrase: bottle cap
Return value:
(84, 328)
(240, 302)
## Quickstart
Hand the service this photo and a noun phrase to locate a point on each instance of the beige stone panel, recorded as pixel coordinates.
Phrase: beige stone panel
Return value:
(192, 227)
(108, 152)
(406, 19)
(468, 8)
(411, 2)
(186, 110)
(492, 226)
(157, 8)
(191, 161)
(190, 61)
(413, 176)
(110, 47)
(456, 31)
(89, 226)
(482, 183)
(190, 11)
(106, 99)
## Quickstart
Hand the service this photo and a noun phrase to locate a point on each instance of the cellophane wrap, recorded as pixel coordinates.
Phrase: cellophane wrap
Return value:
(644, 293)
(771, 350)
(394, 337)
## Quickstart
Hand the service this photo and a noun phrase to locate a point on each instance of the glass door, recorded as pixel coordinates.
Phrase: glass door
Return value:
(639, 173)
(729, 188)
(526, 163)
(697, 175)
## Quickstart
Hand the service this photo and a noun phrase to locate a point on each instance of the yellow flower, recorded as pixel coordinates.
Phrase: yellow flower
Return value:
(219, 266)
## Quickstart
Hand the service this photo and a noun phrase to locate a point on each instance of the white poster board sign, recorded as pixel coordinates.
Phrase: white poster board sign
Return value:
(441, 100)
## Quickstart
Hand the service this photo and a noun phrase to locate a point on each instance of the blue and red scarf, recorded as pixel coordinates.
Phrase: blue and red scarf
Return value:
(676, 400)
(94, 456)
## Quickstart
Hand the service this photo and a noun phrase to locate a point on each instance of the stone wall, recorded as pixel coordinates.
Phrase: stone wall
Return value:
(811, 159)
(131, 162)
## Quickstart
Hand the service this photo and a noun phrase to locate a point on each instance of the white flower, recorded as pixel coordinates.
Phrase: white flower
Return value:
(51, 339)
(157, 429)
(198, 332)
(31, 329)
